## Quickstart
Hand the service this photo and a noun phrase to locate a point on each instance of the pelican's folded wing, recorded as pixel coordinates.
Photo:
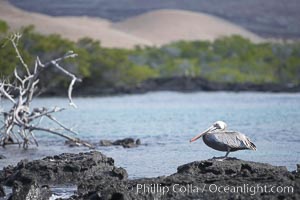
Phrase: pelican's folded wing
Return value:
(234, 140)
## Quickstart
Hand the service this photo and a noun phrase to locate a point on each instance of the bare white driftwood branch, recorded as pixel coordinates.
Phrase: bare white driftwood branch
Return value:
(21, 121)
(74, 79)
(14, 40)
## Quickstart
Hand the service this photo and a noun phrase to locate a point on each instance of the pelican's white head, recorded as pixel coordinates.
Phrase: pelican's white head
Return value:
(218, 125)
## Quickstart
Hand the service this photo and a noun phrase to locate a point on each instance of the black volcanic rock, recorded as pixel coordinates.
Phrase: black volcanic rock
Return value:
(29, 190)
(2, 157)
(192, 178)
(29, 179)
(106, 143)
(72, 143)
(96, 177)
(66, 168)
(126, 143)
(2, 192)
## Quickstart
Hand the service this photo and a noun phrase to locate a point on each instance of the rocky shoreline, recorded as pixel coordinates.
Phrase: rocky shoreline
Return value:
(192, 84)
(178, 84)
(97, 177)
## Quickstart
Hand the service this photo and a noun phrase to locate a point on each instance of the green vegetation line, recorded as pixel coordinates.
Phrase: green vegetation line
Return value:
(230, 59)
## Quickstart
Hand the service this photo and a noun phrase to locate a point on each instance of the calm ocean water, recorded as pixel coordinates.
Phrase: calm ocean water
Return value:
(165, 121)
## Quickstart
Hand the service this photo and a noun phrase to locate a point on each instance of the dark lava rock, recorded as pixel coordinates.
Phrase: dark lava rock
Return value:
(26, 187)
(126, 143)
(200, 180)
(72, 143)
(138, 142)
(28, 179)
(29, 190)
(106, 143)
(2, 157)
(2, 192)
(97, 178)
(66, 168)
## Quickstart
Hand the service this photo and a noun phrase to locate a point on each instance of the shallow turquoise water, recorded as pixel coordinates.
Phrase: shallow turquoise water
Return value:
(165, 121)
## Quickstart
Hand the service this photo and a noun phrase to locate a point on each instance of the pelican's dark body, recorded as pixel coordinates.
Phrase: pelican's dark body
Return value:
(227, 141)
(219, 138)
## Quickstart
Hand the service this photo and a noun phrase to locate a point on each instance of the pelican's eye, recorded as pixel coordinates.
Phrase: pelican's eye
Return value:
(217, 126)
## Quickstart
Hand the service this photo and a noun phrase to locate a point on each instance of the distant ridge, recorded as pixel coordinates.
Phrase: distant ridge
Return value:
(72, 28)
(267, 18)
(152, 28)
(165, 26)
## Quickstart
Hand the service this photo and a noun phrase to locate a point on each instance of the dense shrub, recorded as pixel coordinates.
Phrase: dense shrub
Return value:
(231, 59)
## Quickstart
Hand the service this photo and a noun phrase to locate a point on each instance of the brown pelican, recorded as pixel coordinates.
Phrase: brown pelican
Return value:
(219, 138)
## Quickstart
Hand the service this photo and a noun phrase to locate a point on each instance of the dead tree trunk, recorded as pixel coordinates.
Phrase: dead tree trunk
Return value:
(21, 120)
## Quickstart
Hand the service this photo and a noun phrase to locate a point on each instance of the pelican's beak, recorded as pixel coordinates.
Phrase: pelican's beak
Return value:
(201, 134)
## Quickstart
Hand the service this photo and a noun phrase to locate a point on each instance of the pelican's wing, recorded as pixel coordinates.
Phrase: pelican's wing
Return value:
(234, 140)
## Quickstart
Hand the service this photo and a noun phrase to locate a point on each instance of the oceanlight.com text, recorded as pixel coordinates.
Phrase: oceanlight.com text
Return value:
(212, 188)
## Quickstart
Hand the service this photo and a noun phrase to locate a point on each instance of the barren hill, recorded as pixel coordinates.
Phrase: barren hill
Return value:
(164, 26)
(267, 18)
(152, 28)
(72, 28)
